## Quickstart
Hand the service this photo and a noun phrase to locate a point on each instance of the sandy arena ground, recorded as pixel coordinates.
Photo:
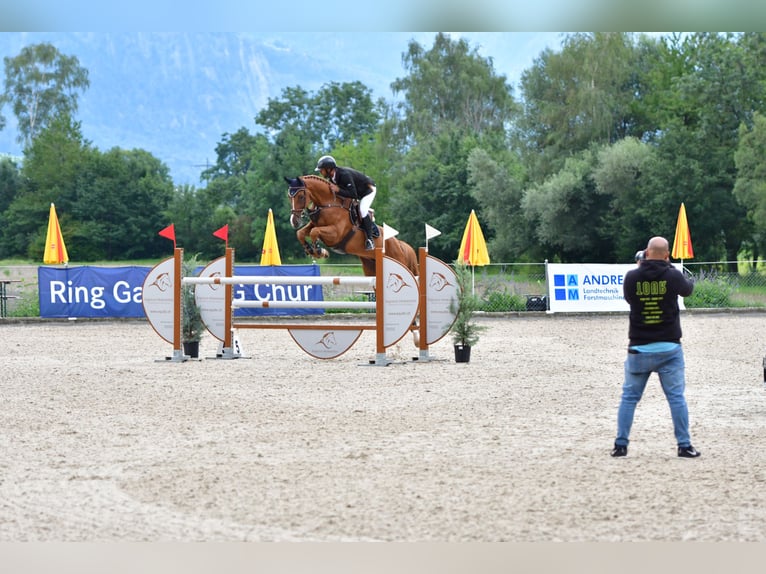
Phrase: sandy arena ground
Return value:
(102, 440)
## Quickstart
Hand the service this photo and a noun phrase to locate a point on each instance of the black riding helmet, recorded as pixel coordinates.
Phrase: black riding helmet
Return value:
(326, 161)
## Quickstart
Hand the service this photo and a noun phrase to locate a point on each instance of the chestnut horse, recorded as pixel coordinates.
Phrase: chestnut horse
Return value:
(333, 220)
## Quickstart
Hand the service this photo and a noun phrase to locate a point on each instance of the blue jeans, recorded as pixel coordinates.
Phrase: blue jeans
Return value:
(670, 367)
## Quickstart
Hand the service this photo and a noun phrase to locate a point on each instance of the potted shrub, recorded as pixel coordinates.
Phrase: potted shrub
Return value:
(465, 331)
(192, 326)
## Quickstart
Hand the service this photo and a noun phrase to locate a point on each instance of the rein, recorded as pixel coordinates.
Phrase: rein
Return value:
(343, 203)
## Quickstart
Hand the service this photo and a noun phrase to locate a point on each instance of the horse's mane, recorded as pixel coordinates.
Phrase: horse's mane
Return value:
(320, 179)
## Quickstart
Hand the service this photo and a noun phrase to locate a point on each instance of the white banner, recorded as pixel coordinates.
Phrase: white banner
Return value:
(585, 287)
(389, 232)
(432, 232)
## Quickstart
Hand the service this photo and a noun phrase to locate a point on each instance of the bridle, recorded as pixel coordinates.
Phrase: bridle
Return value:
(293, 193)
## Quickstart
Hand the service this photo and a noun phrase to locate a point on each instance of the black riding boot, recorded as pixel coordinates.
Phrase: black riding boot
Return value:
(375, 228)
(369, 244)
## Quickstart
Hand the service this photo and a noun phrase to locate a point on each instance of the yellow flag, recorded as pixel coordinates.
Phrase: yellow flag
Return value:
(473, 248)
(682, 243)
(270, 251)
(55, 250)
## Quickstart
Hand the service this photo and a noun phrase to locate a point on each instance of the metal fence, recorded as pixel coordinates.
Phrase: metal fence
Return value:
(513, 287)
(716, 286)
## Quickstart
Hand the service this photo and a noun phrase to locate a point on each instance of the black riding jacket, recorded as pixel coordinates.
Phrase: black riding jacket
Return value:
(352, 183)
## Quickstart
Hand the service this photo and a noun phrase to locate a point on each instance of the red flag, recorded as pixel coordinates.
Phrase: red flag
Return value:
(223, 233)
(170, 233)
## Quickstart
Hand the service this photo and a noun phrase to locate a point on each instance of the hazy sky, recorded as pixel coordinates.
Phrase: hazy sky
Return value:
(382, 15)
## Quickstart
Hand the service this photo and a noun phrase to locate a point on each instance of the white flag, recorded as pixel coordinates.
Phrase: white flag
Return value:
(389, 232)
(431, 232)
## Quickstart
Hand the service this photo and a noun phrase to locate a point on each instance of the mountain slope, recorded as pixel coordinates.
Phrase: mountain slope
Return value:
(176, 94)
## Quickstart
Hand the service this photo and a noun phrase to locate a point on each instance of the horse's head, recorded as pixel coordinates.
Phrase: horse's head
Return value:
(295, 184)
(296, 191)
(309, 192)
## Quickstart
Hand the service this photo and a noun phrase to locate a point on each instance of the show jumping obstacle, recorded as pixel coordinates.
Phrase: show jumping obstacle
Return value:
(399, 298)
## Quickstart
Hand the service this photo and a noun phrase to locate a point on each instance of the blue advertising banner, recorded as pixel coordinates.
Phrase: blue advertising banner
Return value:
(114, 292)
(91, 291)
(269, 292)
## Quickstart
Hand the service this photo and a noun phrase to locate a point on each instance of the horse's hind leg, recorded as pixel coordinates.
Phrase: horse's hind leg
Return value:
(368, 267)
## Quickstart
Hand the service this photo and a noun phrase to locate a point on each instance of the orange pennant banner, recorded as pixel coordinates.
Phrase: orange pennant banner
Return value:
(682, 243)
(270, 251)
(473, 247)
(55, 250)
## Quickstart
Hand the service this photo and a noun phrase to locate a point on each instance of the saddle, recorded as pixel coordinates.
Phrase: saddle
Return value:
(356, 217)
(351, 204)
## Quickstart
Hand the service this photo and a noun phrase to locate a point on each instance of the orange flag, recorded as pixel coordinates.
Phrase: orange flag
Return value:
(270, 251)
(55, 250)
(682, 243)
(473, 248)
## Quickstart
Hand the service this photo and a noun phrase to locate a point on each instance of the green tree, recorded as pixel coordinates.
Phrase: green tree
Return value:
(497, 185)
(576, 98)
(336, 113)
(299, 127)
(453, 101)
(245, 183)
(120, 204)
(10, 186)
(41, 83)
(10, 182)
(684, 170)
(618, 175)
(719, 88)
(432, 187)
(452, 86)
(196, 214)
(750, 185)
(48, 175)
(566, 211)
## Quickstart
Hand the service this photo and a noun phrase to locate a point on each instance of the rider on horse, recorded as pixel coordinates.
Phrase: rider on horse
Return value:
(356, 185)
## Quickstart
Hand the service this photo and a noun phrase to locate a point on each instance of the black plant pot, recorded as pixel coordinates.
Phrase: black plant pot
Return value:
(191, 348)
(462, 353)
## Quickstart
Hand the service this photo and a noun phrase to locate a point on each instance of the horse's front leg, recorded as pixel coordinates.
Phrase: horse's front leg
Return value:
(310, 246)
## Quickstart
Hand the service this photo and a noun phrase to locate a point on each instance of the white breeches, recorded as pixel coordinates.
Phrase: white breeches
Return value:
(366, 201)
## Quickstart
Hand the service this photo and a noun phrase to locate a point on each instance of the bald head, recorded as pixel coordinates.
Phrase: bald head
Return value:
(657, 248)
